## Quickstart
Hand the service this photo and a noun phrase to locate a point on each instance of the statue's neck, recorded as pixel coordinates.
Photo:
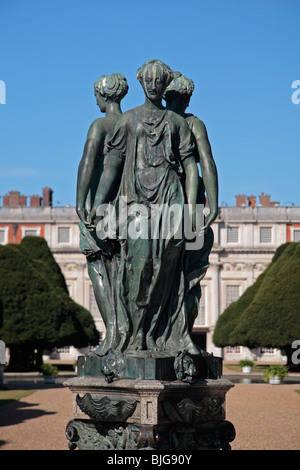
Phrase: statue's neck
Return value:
(153, 105)
(176, 108)
(113, 108)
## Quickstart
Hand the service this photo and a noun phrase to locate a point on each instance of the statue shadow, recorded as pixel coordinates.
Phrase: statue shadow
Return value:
(17, 411)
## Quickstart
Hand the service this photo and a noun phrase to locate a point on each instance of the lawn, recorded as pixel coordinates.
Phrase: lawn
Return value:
(7, 396)
(259, 368)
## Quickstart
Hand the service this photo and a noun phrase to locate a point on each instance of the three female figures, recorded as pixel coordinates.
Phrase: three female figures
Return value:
(145, 287)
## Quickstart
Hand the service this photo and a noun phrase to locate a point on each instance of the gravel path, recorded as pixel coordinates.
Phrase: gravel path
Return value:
(36, 422)
(266, 417)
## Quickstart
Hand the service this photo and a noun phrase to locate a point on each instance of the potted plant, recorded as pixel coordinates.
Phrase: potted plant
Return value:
(275, 373)
(49, 372)
(46, 354)
(246, 366)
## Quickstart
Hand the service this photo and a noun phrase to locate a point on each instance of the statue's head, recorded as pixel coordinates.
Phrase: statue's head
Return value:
(179, 91)
(110, 88)
(154, 77)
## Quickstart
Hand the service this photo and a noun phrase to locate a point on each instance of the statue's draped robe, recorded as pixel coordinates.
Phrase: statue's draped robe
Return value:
(151, 275)
(152, 285)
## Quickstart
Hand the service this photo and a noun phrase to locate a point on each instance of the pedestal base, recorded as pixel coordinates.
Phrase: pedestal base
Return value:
(133, 414)
(152, 366)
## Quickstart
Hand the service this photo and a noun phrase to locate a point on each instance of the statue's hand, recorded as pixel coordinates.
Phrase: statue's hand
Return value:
(194, 219)
(208, 221)
(192, 212)
(85, 218)
(92, 215)
(82, 214)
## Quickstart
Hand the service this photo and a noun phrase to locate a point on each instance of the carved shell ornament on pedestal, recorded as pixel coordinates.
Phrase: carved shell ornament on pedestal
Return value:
(104, 409)
(188, 412)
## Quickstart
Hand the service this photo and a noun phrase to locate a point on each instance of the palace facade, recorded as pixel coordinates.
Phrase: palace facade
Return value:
(245, 239)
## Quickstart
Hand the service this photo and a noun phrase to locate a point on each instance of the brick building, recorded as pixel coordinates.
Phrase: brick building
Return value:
(246, 237)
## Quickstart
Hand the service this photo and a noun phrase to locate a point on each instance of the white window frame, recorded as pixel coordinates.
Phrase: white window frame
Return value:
(24, 228)
(227, 302)
(64, 242)
(64, 349)
(270, 351)
(5, 230)
(260, 233)
(233, 349)
(232, 227)
(293, 230)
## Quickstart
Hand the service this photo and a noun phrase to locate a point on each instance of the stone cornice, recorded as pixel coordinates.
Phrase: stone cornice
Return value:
(248, 250)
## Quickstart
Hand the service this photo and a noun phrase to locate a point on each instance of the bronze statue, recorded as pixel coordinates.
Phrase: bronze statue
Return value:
(140, 200)
(146, 284)
(177, 97)
(102, 258)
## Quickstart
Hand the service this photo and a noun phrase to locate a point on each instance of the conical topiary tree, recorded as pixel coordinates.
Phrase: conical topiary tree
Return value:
(40, 256)
(38, 313)
(268, 313)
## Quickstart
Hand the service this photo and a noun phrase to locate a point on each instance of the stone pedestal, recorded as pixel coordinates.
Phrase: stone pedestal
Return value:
(152, 366)
(121, 413)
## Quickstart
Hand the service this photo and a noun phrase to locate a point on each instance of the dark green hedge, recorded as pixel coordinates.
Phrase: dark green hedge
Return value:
(268, 313)
(36, 307)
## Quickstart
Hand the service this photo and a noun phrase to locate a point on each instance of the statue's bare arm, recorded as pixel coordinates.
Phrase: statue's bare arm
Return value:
(86, 168)
(108, 180)
(208, 170)
(191, 185)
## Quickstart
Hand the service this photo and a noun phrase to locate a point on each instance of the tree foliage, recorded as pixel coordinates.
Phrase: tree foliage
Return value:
(268, 313)
(37, 311)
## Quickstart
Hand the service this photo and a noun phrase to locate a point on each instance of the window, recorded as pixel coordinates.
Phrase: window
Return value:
(30, 233)
(93, 308)
(233, 349)
(232, 294)
(201, 317)
(63, 235)
(3, 235)
(296, 235)
(268, 350)
(232, 234)
(64, 350)
(265, 234)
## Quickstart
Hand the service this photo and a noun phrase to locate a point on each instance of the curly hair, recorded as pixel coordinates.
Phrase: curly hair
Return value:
(181, 85)
(114, 86)
(167, 72)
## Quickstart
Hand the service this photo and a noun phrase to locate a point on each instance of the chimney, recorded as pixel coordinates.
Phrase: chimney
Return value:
(14, 199)
(35, 200)
(241, 200)
(252, 201)
(47, 196)
(23, 200)
(264, 200)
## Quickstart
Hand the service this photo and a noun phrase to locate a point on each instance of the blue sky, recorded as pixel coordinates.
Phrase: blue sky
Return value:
(243, 56)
